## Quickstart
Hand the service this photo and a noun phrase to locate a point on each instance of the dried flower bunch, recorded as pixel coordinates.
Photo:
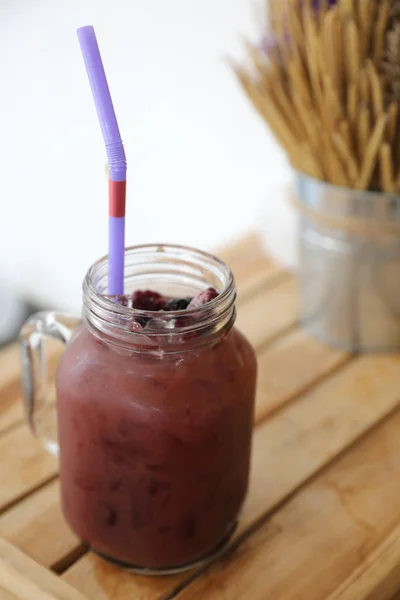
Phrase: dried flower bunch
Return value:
(327, 82)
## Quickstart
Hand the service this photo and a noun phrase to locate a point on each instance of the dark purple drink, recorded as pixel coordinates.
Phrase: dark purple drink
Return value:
(155, 431)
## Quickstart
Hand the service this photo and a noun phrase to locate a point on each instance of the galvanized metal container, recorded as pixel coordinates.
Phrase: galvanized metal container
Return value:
(349, 266)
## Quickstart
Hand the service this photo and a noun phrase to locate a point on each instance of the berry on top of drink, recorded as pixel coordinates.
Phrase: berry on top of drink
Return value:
(178, 304)
(148, 300)
(154, 301)
(204, 297)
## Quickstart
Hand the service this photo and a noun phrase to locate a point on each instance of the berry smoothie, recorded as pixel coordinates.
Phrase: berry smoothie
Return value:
(155, 446)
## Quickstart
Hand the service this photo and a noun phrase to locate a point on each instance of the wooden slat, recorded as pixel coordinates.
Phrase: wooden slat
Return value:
(291, 366)
(321, 537)
(37, 527)
(23, 579)
(10, 390)
(250, 265)
(9, 364)
(301, 439)
(23, 465)
(288, 449)
(378, 577)
(11, 399)
(101, 581)
(270, 312)
(4, 595)
(13, 410)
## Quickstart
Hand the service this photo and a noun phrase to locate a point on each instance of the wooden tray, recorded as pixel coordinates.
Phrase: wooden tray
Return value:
(322, 518)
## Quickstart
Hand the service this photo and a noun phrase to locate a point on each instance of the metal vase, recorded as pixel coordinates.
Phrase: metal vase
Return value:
(349, 266)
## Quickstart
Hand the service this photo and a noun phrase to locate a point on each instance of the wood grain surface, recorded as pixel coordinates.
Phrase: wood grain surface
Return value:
(322, 516)
(23, 579)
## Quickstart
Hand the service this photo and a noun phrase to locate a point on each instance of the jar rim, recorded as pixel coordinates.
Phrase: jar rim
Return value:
(115, 318)
(142, 247)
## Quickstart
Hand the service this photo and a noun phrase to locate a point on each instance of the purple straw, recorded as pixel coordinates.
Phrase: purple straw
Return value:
(116, 157)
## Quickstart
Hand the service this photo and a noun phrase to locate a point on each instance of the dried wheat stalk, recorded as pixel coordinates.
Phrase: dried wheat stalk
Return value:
(329, 88)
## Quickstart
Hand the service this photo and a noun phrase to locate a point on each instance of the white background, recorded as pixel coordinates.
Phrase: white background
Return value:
(200, 160)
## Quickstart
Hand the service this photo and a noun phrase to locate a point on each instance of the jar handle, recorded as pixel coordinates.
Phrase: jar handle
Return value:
(39, 358)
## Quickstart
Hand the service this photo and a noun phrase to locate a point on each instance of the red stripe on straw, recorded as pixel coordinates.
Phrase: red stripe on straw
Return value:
(117, 195)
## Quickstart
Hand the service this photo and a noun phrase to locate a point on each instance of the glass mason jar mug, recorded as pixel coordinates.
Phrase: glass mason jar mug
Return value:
(154, 425)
